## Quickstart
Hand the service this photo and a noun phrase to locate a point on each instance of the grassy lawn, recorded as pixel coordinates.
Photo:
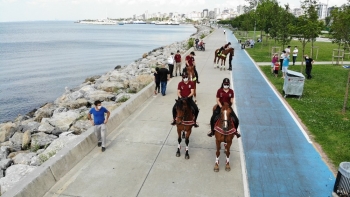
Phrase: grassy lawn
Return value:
(262, 51)
(320, 108)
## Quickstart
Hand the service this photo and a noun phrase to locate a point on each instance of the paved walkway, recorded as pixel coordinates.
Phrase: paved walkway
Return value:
(280, 158)
(140, 156)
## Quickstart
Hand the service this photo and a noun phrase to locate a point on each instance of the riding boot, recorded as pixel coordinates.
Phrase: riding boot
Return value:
(196, 73)
(211, 133)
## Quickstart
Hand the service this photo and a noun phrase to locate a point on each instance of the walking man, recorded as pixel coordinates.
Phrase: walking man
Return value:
(164, 76)
(99, 122)
(178, 62)
(308, 63)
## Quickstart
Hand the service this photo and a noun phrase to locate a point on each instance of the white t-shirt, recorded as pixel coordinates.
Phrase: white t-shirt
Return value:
(295, 52)
(282, 56)
(170, 59)
(287, 50)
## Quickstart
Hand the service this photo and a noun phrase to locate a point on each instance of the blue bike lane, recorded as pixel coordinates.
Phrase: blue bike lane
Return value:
(280, 158)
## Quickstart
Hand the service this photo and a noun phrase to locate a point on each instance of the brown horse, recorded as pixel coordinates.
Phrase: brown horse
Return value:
(184, 122)
(192, 77)
(224, 132)
(229, 51)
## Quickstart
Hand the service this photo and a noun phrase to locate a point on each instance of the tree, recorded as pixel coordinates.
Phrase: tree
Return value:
(307, 26)
(265, 16)
(286, 26)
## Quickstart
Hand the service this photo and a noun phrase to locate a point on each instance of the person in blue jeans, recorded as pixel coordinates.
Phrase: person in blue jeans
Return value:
(99, 122)
(164, 76)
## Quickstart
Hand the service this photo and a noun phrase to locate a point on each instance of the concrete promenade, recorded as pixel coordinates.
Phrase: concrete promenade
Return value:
(280, 158)
(140, 156)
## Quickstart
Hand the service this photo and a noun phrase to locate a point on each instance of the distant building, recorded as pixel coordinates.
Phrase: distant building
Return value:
(217, 11)
(205, 13)
(171, 15)
(322, 11)
(297, 12)
(212, 14)
(329, 10)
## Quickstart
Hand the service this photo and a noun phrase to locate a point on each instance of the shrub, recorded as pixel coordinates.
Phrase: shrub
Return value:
(123, 99)
(190, 43)
(202, 36)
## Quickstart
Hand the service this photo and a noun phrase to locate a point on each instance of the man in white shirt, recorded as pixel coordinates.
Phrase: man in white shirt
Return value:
(287, 49)
(295, 54)
(171, 64)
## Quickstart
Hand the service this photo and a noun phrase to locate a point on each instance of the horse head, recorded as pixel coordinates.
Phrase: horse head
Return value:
(181, 109)
(225, 117)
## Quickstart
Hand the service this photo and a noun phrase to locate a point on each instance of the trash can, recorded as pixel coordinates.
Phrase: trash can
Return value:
(342, 182)
(293, 83)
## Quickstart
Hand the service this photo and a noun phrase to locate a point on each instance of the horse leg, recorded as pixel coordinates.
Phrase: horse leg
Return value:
(224, 64)
(228, 146)
(178, 145)
(187, 141)
(221, 65)
(215, 60)
(216, 167)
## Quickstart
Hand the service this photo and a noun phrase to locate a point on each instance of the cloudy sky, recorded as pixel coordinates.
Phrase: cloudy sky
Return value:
(32, 10)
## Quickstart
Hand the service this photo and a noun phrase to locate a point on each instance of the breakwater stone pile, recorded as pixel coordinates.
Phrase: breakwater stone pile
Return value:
(32, 139)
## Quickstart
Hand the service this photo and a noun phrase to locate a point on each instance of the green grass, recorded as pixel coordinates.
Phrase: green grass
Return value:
(320, 108)
(262, 51)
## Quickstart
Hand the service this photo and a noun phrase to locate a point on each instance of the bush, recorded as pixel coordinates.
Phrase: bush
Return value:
(190, 43)
(202, 36)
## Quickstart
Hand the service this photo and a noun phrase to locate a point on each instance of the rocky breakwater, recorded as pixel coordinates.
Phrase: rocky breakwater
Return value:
(31, 139)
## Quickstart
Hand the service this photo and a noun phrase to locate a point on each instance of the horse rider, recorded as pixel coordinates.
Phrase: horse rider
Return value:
(224, 94)
(191, 62)
(224, 48)
(185, 89)
(200, 45)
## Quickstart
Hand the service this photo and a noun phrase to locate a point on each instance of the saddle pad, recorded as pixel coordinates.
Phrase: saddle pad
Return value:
(220, 130)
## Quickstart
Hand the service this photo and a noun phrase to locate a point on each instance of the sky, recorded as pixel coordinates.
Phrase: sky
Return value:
(38, 10)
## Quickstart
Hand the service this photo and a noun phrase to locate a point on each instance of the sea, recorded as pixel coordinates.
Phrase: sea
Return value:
(39, 59)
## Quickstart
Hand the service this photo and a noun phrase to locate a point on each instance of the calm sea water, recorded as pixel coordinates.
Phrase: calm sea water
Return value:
(39, 59)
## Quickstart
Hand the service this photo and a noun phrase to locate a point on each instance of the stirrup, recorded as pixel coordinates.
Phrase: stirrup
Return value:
(195, 125)
(173, 123)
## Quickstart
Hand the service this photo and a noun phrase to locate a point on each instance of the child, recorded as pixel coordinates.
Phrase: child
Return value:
(157, 81)
(276, 68)
(273, 61)
(285, 65)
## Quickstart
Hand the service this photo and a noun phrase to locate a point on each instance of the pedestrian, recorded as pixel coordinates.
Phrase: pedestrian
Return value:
(308, 63)
(274, 59)
(282, 58)
(157, 81)
(285, 65)
(190, 61)
(99, 122)
(164, 76)
(178, 63)
(276, 68)
(171, 64)
(224, 94)
(295, 54)
(185, 89)
(287, 50)
(224, 32)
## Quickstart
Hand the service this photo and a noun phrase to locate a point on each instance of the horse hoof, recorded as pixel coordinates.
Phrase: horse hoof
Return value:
(187, 156)
(178, 154)
(216, 169)
(228, 168)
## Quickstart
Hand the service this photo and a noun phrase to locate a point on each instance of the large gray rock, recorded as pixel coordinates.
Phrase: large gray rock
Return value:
(5, 163)
(27, 137)
(64, 120)
(41, 139)
(46, 127)
(100, 95)
(7, 130)
(23, 158)
(30, 125)
(14, 174)
(4, 152)
(80, 126)
(35, 161)
(57, 145)
(111, 86)
(44, 112)
(17, 140)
